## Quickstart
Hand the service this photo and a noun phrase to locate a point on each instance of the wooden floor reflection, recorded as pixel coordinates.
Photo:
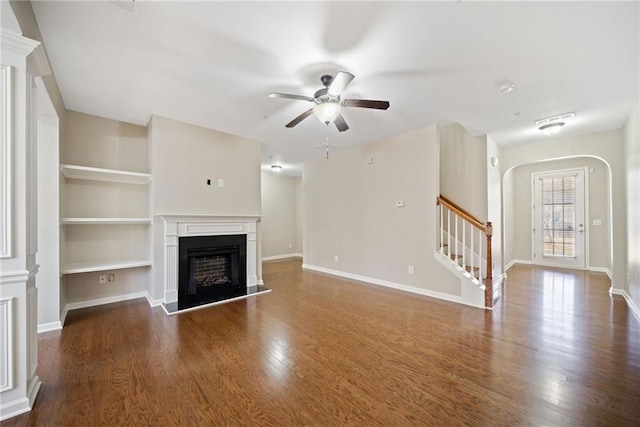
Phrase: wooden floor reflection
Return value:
(318, 350)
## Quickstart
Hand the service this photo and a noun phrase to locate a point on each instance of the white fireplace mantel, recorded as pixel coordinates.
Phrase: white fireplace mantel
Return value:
(176, 226)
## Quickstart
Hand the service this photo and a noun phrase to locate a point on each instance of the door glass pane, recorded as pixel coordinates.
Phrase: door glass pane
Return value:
(558, 216)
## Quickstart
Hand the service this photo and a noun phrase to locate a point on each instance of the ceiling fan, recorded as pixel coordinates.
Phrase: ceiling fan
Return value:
(328, 106)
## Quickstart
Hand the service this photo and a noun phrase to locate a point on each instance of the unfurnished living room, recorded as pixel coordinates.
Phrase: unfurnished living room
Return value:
(319, 213)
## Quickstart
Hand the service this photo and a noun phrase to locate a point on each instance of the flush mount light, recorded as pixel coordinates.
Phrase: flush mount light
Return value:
(558, 118)
(551, 128)
(276, 168)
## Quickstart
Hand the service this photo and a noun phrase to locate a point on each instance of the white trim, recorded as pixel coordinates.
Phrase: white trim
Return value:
(604, 270)
(18, 276)
(6, 143)
(285, 256)
(15, 408)
(6, 315)
(17, 42)
(406, 288)
(51, 326)
(153, 302)
(102, 301)
(635, 309)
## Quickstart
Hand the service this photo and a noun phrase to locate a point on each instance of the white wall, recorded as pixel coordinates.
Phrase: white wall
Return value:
(48, 257)
(349, 211)
(598, 208)
(494, 204)
(279, 223)
(632, 155)
(608, 146)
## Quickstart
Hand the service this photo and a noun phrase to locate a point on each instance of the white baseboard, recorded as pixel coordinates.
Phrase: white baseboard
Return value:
(517, 261)
(285, 256)
(601, 270)
(635, 309)
(406, 288)
(153, 302)
(51, 326)
(14, 408)
(102, 301)
(23, 404)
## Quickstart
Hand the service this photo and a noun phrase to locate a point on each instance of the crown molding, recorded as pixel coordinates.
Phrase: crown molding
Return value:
(17, 42)
(38, 63)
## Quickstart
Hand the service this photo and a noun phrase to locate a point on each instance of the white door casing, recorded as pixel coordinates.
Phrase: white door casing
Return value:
(559, 218)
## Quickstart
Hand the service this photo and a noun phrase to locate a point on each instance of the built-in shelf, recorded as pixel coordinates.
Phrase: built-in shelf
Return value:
(107, 175)
(87, 267)
(123, 221)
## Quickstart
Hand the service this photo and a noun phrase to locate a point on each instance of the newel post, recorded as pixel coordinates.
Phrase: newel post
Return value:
(488, 282)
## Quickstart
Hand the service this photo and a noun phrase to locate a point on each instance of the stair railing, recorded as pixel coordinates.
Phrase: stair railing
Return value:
(455, 225)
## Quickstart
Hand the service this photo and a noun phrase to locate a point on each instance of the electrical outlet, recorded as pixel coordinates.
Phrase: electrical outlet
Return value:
(410, 269)
(220, 183)
(111, 277)
(336, 258)
(103, 278)
(290, 245)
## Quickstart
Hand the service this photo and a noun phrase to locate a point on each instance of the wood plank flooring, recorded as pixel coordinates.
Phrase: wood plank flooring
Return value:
(319, 350)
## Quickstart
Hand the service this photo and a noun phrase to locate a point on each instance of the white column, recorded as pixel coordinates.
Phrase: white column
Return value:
(22, 60)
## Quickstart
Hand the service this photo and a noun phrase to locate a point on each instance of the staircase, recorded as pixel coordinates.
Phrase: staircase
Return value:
(464, 246)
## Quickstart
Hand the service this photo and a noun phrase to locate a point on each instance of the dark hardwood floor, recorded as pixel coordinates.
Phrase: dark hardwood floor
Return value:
(318, 350)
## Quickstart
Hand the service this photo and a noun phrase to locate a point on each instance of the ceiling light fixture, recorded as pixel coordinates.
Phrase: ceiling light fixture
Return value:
(551, 128)
(559, 118)
(276, 168)
(327, 112)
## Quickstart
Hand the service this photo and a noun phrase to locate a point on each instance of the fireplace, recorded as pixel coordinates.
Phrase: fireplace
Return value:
(210, 267)
(181, 235)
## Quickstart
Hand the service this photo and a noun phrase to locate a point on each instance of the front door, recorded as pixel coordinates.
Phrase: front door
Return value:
(559, 232)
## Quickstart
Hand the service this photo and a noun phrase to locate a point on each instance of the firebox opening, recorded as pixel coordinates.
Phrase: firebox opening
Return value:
(210, 267)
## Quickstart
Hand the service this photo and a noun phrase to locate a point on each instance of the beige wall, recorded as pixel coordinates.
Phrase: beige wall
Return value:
(279, 223)
(463, 169)
(102, 143)
(184, 156)
(632, 155)
(349, 211)
(608, 146)
(598, 207)
(299, 215)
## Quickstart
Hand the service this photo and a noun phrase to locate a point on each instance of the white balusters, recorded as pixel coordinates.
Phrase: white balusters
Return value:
(441, 229)
(480, 254)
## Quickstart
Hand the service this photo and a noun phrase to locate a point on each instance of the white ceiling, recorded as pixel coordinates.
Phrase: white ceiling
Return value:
(213, 64)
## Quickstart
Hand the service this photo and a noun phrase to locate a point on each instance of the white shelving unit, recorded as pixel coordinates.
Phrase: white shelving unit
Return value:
(117, 240)
(95, 221)
(105, 175)
(88, 267)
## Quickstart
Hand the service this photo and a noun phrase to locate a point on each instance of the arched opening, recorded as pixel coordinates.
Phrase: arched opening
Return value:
(517, 210)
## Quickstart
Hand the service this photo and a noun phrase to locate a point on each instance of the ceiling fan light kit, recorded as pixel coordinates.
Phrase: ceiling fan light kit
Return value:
(328, 108)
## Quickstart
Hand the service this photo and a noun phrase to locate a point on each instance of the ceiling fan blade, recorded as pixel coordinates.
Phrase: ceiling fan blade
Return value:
(340, 81)
(290, 96)
(300, 118)
(340, 123)
(366, 103)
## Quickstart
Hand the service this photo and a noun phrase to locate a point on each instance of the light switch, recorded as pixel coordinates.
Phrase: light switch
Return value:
(399, 203)
(597, 222)
(221, 183)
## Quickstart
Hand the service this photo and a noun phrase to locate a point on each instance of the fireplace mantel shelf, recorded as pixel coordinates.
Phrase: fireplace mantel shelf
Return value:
(191, 217)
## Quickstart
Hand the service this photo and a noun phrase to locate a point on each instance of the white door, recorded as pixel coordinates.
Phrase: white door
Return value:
(559, 232)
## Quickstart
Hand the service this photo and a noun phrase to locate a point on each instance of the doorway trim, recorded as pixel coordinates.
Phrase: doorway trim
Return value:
(535, 249)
